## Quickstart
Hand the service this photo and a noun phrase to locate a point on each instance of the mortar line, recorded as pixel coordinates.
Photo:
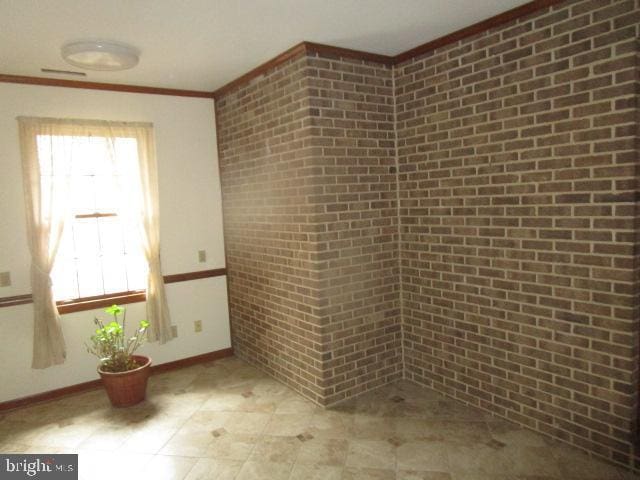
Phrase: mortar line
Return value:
(398, 221)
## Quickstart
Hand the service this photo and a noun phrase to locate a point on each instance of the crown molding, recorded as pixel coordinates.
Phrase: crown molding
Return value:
(476, 28)
(302, 48)
(293, 52)
(329, 50)
(113, 87)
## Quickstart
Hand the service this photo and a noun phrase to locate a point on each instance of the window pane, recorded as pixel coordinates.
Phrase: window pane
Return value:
(65, 249)
(55, 154)
(45, 157)
(82, 194)
(46, 184)
(137, 269)
(114, 273)
(84, 158)
(64, 278)
(136, 272)
(96, 255)
(126, 156)
(111, 241)
(86, 241)
(106, 193)
(90, 277)
(101, 152)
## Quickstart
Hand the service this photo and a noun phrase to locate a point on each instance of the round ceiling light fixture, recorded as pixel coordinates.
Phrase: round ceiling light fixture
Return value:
(100, 55)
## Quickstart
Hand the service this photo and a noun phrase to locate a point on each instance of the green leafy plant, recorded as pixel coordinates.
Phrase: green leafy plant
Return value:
(111, 345)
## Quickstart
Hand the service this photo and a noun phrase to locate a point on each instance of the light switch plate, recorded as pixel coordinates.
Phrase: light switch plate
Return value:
(174, 331)
(197, 326)
(202, 256)
(5, 279)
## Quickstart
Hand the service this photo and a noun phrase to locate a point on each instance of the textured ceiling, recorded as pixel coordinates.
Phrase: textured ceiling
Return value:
(203, 44)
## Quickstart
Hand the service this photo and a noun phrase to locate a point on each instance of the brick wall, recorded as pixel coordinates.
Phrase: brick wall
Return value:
(504, 250)
(518, 167)
(307, 159)
(267, 170)
(353, 110)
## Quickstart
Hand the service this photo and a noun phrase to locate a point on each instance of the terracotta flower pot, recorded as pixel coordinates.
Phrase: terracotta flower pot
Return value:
(127, 388)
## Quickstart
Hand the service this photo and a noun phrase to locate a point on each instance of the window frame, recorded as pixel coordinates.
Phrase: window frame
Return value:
(81, 304)
(98, 129)
(100, 301)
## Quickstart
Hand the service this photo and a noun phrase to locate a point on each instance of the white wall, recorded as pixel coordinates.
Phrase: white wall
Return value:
(191, 220)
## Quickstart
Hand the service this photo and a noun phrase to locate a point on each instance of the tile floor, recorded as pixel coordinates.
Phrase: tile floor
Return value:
(227, 420)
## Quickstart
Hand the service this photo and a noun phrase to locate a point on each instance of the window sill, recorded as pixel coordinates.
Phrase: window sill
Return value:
(90, 303)
(100, 301)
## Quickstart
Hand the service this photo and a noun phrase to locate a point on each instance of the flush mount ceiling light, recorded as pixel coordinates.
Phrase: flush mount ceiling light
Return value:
(99, 55)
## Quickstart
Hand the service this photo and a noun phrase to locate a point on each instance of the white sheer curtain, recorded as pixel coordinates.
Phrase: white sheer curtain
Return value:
(140, 187)
(46, 185)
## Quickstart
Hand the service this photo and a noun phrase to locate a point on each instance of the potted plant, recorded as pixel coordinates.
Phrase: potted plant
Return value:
(124, 374)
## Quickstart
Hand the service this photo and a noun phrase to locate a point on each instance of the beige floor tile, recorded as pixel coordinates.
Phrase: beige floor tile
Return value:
(249, 423)
(107, 438)
(188, 443)
(574, 463)
(369, 427)
(206, 382)
(96, 466)
(352, 473)
(294, 403)
(287, 424)
(214, 469)
(276, 449)
(264, 471)
(451, 410)
(315, 472)
(69, 435)
(371, 454)
(329, 424)
(13, 447)
(224, 402)
(36, 449)
(175, 406)
(426, 456)
(417, 475)
(45, 413)
(207, 420)
(479, 459)
(204, 422)
(464, 433)
(484, 476)
(534, 459)
(269, 388)
(627, 475)
(231, 446)
(410, 390)
(510, 434)
(195, 436)
(148, 440)
(407, 429)
(331, 451)
(168, 467)
(27, 433)
(259, 404)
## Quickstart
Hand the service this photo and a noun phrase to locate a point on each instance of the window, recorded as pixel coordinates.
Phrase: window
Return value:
(99, 253)
(92, 220)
